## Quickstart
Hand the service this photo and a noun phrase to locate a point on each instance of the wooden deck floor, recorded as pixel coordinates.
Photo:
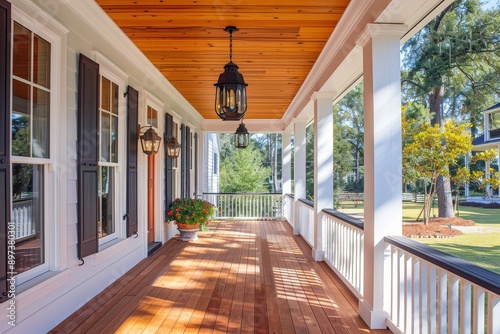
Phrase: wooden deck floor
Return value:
(241, 276)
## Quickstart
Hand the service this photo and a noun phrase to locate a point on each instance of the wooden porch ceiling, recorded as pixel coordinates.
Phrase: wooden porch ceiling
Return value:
(275, 48)
(240, 276)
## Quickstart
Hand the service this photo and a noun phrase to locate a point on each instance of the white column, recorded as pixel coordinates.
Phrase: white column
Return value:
(286, 172)
(466, 186)
(383, 160)
(299, 168)
(487, 174)
(323, 165)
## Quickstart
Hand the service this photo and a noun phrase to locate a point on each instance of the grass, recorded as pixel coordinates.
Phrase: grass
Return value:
(482, 249)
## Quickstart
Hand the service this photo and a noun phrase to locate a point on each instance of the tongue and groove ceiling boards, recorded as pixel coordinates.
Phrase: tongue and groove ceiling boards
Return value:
(276, 46)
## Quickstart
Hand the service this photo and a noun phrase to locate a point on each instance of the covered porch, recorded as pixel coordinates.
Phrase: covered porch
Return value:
(241, 276)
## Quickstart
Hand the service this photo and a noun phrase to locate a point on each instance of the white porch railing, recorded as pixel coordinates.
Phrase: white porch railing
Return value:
(343, 237)
(433, 292)
(22, 216)
(250, 206)
(306, 220)
(288, 208)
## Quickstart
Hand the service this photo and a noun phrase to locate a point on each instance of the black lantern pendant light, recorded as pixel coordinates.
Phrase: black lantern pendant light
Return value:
(150, 141)
(230, 90)
(241, 136)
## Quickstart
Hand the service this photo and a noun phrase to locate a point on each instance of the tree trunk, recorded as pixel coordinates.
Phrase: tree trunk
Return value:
(443, 186)
(445, 200)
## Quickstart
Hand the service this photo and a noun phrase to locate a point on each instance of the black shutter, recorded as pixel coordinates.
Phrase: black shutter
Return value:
(183, 162)
(169, 191)
(189, 193)
(5, 198)
(132, 123)
(88, 148)
(195, 167)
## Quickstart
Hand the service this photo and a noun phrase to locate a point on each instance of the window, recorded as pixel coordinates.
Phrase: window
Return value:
(494, 124)
(176, 184)
(152, 117)
(31, 92)
(216, 164)
(108, 163)
(175, 134)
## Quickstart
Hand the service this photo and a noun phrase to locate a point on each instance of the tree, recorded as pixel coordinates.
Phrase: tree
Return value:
(458, 50)
(348, 138)
(242, 172)
(428, 151)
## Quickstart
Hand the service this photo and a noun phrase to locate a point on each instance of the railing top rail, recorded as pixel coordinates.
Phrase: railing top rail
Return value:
(475, 274)
(357, 223)
(307, 202)
(290, 195)
(281, 194)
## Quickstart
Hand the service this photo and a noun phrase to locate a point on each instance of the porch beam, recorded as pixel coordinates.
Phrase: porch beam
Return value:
(383, 160)
(323, 165)
(299, 169)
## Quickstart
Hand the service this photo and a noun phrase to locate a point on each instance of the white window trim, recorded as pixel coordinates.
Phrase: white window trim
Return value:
(112, 72)
(56, 166)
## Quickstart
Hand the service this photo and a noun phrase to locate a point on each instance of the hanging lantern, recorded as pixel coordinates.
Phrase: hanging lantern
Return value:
(230, 90)
(241, 136)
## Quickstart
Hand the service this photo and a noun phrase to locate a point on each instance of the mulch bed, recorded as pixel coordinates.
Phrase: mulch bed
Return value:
(437, 228)
(492, 205)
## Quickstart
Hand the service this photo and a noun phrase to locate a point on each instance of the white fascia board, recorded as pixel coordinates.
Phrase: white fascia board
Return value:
(253, 126)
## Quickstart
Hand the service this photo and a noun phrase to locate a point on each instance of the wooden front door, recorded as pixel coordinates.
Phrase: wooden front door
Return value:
(151, 198)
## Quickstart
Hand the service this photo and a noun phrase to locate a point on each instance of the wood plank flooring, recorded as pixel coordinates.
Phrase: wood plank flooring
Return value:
(239, 277)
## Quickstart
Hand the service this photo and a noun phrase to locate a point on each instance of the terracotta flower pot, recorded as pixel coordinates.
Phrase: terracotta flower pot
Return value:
(188, 226)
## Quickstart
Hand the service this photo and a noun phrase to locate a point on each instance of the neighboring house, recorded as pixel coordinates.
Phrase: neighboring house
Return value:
(489, 140)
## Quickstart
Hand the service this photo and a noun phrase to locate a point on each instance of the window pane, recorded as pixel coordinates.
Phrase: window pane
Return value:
(41, 123)
(41, 62)
(152, 117)
(105, 131)
(494, 120)
(21, 143)
(105, 94)
(114, 95)
(27, 215)
(21, 52)
(105, 226)
(21, 97)
(114, 139)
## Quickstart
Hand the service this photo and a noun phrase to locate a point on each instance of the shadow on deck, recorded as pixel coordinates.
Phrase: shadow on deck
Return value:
(240, 276)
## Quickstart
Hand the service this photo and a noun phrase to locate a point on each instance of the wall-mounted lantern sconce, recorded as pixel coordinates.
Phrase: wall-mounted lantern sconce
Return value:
(150, 141)
(173, 148)
(241, 136)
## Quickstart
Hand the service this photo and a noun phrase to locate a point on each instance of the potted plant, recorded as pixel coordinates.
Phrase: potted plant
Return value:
(190, 214)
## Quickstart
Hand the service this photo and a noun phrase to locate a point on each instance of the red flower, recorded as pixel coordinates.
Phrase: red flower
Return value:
(177, 209)
(170, 213)
(177, 215)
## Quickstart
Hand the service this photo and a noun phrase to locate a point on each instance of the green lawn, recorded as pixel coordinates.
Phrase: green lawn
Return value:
(481, 248)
